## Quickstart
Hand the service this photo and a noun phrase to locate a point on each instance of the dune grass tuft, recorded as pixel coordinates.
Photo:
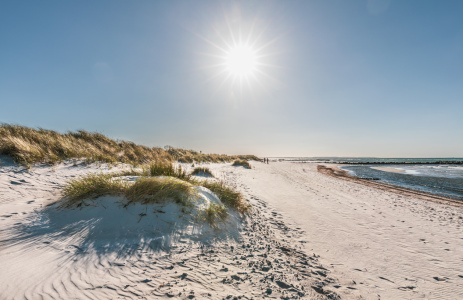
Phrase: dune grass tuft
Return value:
(93, 186)
(28, 146)
(242, 162)
(202, 171)
(227, 195)
(175, 185)
(157, 190)
(168, 169)
(215, 214)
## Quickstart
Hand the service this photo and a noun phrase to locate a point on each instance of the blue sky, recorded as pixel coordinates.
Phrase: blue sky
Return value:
(335, 78)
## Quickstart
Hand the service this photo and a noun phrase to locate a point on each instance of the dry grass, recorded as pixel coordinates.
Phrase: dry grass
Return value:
(29, 146)
(215, 214)
(202, 171)
(157, 190)
(175, 186)
(92, 186)
(168, 169)
(242, 162)
(227, 195)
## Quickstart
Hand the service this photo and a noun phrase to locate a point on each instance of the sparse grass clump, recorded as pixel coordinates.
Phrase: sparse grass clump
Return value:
(215, 213)
(202, 171)
(28, 146)
(242, 162)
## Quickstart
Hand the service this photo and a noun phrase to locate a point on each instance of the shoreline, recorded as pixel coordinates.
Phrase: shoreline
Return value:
(335, 171)
(391, 170)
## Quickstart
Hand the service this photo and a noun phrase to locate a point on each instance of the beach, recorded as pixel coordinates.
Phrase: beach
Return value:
(309, 235)
(379, 244)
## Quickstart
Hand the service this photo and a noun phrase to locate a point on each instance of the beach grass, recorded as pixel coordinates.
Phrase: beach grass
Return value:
(157, 184)
(229, 196)
(92, 186)
(215, 214)
(167, 169)
(242, 162)
(160, 189)
(29, 146)
(202, 171)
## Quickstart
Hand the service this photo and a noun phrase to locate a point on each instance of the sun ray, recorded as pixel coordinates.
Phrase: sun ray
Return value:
(240, 55)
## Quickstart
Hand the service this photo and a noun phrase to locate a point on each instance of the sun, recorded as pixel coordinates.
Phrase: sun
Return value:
(240, 54)
(241, 61)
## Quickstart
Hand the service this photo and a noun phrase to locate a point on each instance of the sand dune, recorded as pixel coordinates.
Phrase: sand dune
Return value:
(309, 235)
(106, 251)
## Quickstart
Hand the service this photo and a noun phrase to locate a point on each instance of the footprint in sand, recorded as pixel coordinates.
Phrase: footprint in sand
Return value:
(439, 278)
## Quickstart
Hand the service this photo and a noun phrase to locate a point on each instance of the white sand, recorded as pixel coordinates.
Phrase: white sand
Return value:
(373, 244)
(391, 246)
(107, 251)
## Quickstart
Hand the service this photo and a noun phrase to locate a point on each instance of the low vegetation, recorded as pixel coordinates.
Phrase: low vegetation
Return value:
(227, 195)
(93, 186)
(168, 169)
(215, 214)
(158, 183)
(242, 162)
(202, 171)
(28, 146)
(160, 189)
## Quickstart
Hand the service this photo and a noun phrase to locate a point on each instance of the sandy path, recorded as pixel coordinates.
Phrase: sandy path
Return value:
(381, 245)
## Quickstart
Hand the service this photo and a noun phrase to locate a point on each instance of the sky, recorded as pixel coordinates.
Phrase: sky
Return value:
(381, 78)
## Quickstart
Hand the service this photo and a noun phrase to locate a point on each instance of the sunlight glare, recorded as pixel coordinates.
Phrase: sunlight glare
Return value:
(241, 61)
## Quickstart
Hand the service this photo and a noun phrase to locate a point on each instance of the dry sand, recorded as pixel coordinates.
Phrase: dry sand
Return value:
(310, 236)
(378, 244)
(106, 251)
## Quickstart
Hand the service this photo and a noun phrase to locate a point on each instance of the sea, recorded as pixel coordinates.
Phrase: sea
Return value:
(439, 176)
